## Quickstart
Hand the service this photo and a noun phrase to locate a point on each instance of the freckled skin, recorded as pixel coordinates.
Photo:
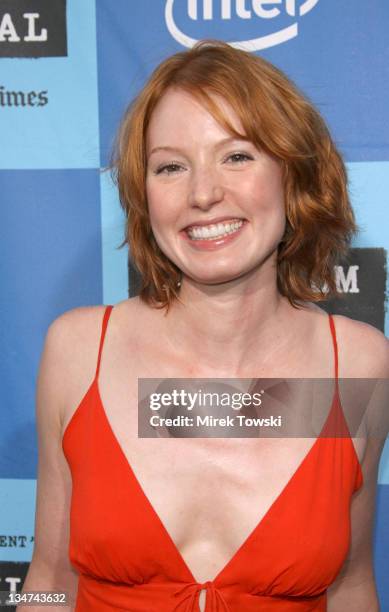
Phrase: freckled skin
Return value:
(200, 177)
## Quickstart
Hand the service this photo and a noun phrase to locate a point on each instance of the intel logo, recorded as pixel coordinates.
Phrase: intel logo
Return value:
(226, 10)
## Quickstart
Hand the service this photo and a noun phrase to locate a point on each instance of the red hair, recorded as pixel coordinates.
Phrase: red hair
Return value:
(278, 119)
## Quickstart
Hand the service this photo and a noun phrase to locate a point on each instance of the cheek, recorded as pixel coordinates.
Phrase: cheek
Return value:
(265, 194)
(163, 217)
(157, 208)
(152, 199)
(272, 181)
(161, 204)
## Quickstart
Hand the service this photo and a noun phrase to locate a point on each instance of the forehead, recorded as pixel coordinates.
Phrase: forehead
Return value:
(179, 112)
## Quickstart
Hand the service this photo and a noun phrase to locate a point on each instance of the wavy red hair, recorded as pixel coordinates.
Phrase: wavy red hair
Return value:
(277, 118)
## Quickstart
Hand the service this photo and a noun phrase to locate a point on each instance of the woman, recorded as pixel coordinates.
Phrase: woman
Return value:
(237, 211)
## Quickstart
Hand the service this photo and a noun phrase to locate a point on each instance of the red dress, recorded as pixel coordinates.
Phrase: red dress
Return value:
(127, 560)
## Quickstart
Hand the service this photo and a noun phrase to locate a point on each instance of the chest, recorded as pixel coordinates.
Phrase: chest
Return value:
(206, 497)
(207, 509)
(209, 494)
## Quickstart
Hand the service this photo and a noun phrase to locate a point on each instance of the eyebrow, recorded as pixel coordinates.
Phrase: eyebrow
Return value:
(218, 145)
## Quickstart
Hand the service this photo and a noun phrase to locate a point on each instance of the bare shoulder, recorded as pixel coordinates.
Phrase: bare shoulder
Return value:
(72, 335)
(363, 349)
(75, 338)
(70, 353)
(76, 324)
(75, 321)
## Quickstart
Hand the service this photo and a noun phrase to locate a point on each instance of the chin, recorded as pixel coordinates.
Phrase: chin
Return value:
(217, 280)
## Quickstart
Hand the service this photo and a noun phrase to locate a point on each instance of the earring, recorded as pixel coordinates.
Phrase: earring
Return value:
(178, 285)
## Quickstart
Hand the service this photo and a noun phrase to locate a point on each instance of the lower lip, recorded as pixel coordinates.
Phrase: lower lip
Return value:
(216, 243)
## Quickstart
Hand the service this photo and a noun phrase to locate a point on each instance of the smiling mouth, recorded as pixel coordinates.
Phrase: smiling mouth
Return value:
(214, 231)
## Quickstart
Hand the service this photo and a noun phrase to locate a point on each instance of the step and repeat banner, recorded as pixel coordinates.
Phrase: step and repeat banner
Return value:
(68, 69)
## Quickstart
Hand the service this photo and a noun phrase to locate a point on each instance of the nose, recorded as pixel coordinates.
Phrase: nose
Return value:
(205, 188)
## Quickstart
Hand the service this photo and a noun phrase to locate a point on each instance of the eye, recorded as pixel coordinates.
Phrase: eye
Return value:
(168, 168)
(239, 157)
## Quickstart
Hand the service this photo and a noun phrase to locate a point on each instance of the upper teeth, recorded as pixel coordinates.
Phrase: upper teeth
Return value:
(215, 230)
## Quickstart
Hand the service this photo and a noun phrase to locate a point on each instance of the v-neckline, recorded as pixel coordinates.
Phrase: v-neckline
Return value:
(157, 517)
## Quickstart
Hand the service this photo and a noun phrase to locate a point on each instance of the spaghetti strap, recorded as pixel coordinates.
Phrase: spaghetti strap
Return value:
(338, 427)
(107, 313)
(336, 359)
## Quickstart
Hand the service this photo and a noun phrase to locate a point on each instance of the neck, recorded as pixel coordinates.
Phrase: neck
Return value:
(228, 327)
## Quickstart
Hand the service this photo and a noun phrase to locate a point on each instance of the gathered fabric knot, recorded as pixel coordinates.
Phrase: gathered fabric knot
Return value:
(191, 598)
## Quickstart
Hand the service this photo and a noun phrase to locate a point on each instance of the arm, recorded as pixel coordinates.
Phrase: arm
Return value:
(50, 568)
(355, 589)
